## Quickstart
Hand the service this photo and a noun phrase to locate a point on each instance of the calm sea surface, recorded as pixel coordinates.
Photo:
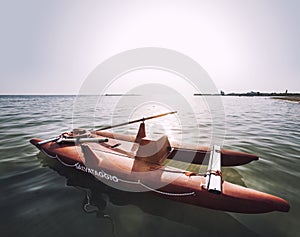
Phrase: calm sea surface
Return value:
(39, 197)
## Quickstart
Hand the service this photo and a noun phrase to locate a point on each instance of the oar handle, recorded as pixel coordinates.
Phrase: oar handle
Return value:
(48, 140)
(83, 140)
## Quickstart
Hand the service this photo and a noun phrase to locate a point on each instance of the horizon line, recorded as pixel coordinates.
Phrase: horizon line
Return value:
(69, 94)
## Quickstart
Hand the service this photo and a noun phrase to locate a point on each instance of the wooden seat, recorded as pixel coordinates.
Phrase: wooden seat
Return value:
(153, 151)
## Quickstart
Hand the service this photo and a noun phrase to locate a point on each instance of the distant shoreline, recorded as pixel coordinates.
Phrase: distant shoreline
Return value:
(292, 97)
(264, 94)
(254, 94)
(289, 98)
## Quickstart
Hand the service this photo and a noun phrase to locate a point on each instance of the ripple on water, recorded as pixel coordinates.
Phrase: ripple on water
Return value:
(266, 127)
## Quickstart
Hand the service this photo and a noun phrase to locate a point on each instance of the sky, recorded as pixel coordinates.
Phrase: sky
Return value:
(50, 47)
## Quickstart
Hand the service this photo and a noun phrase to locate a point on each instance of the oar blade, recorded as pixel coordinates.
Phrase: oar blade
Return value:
(136, 121)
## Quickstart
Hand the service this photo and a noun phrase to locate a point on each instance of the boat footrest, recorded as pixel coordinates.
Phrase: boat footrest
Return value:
(214, 174)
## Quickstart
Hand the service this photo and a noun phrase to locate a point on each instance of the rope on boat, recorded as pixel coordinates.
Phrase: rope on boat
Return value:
(45, 153)
(157, 191)
(57, 157)
(65, 164)
(165, 193)
(128, 181)
(125, 181)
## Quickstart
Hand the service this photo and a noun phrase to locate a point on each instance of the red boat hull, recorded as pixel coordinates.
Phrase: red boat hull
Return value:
(123, 172)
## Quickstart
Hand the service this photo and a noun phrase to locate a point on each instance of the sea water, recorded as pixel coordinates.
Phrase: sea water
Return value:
(40, 197)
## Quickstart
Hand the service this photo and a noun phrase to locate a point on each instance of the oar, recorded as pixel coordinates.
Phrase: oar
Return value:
(112, 126)
(83, 140)
(49, 140)
(136, 121)
(74, 140)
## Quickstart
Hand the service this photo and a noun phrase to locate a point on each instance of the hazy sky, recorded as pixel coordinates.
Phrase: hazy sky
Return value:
(49, 47)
